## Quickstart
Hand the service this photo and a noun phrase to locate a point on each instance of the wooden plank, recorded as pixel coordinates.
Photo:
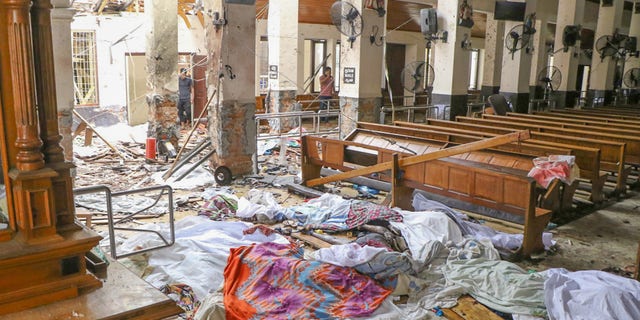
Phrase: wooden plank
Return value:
(469, 308)
(311, 240)
(305, 191)
(89, 126)
(482, 144)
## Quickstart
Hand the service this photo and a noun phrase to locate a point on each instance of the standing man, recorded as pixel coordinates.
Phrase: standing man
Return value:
(326, 91)
(185, 85)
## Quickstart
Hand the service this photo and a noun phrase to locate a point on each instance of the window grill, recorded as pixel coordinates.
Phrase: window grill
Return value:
(85, 78)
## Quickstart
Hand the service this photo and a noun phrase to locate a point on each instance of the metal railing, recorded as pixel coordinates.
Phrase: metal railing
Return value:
(431, 112)
(541, 104)
(299, 116)
(475, 107)
(111, 222)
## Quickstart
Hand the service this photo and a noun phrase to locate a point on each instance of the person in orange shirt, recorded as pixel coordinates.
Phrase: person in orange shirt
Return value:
(326, 91)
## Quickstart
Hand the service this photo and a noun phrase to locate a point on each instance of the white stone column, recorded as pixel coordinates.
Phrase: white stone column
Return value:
(231, 75)
(451, 64)
(570, 12)
(282, 32)
(514, 83)
(540, 58)
(61, 18)
(633, 62)
(493, 50)
(360, 74)
(603, 70)
(162, 73)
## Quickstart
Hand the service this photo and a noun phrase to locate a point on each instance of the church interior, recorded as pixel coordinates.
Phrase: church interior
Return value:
(319, 159)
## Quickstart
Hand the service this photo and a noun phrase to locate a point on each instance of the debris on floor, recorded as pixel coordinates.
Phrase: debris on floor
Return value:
(413, 265)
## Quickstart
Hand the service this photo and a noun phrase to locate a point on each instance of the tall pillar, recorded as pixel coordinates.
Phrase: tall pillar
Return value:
(360, 78)
(570, 12)
(540, 58)
(48, 113)
(451, 64)
(231, 75)
(61, 18)
(603, 70)
(162, 64)
(514, 83)
(633, 62)
(493, 50)
(282, 33)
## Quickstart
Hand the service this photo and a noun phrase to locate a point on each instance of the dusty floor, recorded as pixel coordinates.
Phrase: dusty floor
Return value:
(606, 239)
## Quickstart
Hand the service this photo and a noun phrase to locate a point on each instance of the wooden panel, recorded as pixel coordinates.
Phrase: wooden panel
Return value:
(436, 174)
(415, 172)
(515, 193)
(460, 181)
(333, 153)
(488, 187)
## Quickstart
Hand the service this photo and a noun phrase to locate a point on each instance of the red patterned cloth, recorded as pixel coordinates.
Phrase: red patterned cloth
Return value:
(264, 229)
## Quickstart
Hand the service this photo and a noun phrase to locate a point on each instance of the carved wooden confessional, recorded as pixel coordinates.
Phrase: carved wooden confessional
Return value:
(42, 247)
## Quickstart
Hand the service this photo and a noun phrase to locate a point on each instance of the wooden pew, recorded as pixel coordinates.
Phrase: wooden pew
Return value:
(499, 192)
(570, 123)
(630, 137)
(582, 114)
(588, 120)
(587, 158)
(397, 139)
(612, 153)
(590, 123)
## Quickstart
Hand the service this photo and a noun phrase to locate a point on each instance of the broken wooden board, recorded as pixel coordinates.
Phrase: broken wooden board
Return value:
(304, 191)
(468, 308)
(311, 240)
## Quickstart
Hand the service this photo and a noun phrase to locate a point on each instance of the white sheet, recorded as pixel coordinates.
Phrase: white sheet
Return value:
(590, 294)
(420, 228)
(199, 256)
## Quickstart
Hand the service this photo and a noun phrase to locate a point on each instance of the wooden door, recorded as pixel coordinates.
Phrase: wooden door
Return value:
(137, 108)
(395, 64)
(199, 86)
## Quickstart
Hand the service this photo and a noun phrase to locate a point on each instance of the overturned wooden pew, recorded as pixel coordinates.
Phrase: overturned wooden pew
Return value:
(403, 140)
(588, 159)
(486, 189)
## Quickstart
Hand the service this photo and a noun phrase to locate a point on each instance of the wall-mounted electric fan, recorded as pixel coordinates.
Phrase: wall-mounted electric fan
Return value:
(608, 46)
(517, 38)
(570, 36)
(631, 78)
(550, 79)
(347, 19)
(417, 77)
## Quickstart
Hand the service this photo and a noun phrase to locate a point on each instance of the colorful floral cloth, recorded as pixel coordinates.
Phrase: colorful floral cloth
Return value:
(272, 281)
(219, 207)
(360, 213)
(184, 296)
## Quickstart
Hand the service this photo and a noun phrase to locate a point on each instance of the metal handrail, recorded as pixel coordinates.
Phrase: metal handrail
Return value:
(410, 111)
(110, 219)
(551, 103)
(315, 116)
(477, 106)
